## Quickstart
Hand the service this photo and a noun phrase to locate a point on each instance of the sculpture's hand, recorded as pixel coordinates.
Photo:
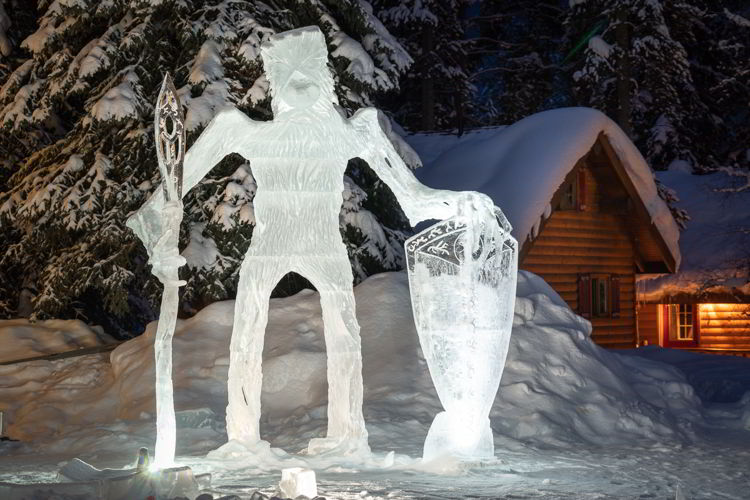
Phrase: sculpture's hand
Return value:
(474, 205)
(476, 210)
(444, 204)
(165, 257)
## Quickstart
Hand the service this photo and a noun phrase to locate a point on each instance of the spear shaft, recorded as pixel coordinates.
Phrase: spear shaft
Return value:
(170, 148)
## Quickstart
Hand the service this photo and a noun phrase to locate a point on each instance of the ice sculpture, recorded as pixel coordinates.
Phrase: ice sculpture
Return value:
(462, 277)
(298, 161)
(165, 259)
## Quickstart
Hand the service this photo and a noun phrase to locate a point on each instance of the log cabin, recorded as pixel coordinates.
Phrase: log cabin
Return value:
(583, 204)
(705, 306)
(596, 239)
(585, 209)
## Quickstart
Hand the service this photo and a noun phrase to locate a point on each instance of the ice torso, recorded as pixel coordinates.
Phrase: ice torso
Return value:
(300, 181)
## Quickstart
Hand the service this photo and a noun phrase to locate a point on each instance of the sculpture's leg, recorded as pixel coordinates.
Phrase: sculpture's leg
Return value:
(332, 277)
(258, 276)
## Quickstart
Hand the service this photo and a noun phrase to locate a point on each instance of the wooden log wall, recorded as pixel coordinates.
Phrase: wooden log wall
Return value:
(725, 326)
(648, 323)
(572, 242)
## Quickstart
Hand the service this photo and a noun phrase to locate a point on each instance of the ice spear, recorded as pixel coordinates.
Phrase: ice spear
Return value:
(170, 150)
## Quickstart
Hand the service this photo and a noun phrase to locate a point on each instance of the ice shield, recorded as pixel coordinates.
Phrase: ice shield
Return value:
(462, 276)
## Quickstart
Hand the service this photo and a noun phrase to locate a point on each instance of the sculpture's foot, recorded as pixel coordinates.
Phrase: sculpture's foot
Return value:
(239, 449)
(343, 446)
(459, 436)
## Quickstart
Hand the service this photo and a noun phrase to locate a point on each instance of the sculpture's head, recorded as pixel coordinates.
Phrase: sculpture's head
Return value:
(296, 65)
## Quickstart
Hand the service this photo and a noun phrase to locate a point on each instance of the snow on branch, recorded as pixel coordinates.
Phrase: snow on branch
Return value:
(735, 172)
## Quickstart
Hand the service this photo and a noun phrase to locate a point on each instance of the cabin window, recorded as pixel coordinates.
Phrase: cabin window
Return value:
(568, 198)
(599, 295)
(680, 321)
(680, 325)
(573, 193)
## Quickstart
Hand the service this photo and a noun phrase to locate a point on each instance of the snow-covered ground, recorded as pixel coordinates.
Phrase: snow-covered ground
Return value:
(571, 420)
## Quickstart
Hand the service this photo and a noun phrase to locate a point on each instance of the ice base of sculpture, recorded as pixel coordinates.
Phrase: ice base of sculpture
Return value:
(460, 436)
(262, 451)
(235, 449)
(339, 446)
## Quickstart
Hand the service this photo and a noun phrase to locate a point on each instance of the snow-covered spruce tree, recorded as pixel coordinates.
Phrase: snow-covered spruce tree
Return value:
(674, 74)
(77, 113)
(716, 36)
(436, 93)
(636, 71)
(518, 54)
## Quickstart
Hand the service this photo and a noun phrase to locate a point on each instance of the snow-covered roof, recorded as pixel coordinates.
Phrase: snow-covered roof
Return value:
(521, 166)
(715, 244)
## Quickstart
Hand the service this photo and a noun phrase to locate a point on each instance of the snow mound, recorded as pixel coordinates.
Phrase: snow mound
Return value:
(522, 165)
(558, 390)
(716, 378)
(23, 339)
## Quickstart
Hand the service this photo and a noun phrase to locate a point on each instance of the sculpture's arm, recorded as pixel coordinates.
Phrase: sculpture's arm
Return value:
(418, 201)
(223, 135)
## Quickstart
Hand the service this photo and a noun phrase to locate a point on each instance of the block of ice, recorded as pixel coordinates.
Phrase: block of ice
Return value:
(297, 481)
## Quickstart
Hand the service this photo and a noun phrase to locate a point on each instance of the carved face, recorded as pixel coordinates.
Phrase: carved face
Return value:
(296, 67)
(300, 91)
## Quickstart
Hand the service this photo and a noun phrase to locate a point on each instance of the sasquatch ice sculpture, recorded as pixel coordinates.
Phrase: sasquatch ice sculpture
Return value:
(298, 161)
(462, 277)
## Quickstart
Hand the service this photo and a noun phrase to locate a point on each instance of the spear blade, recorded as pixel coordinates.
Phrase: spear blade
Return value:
(169, 131)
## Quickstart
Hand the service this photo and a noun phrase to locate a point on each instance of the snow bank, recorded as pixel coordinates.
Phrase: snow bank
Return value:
(716, 378)
(521, 166)
(715, 244)
(559, 389)
(23, 339)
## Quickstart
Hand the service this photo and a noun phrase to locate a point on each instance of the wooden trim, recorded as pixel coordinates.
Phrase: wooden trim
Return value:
(700, 298)
(614, 292)
(697, 324)
(584, 295)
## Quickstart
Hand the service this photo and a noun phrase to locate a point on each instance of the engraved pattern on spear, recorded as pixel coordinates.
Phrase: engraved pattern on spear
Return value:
(170, 139)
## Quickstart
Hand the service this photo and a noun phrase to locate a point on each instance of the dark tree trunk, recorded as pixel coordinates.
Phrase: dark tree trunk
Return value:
(459, 107)
(428, 85)
(624, 71)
